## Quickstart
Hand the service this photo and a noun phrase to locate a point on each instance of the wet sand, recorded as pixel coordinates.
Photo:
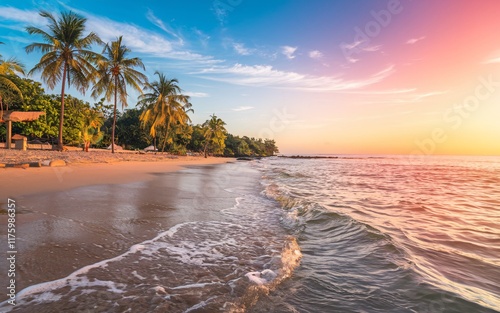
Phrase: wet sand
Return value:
(15, 182)
(74, 216)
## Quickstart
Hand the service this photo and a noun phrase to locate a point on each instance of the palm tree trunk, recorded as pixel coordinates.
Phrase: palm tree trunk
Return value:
(1, 107)
(61, 118)
(114, 119)
(166, 137)
(205, 150)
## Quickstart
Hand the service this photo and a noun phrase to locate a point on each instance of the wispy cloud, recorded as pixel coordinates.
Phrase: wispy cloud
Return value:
(266, 75)
(202, 37)
(356, 48)
(413, 41)
(419, 97)
(29, 17)
(372, 48)
(315, 54)
(138, 39)
(241, 49)
(142, 40)
(196, 94)
(242, 108)
(492, 60)
(159, 23)
(288, 51)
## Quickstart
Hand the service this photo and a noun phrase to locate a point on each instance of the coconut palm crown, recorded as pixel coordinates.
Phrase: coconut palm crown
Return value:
(9, 68)
(164, 105)
(114, 72)
(66, 55)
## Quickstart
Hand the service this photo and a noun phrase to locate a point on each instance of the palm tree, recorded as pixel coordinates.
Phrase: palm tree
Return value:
(9, 68)
(66, 55)
(91, 133)
(214, 133)
(164, 106)
(115, 71)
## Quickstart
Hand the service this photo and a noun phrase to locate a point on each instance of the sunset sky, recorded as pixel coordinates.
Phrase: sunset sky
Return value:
(320, 76)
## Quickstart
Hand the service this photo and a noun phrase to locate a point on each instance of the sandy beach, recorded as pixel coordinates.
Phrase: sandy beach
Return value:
(84, 169)
(99, 205)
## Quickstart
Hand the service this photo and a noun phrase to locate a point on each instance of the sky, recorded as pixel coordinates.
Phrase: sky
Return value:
(318, 76)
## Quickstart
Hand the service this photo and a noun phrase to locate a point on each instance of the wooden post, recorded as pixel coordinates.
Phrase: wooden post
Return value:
(9, 134)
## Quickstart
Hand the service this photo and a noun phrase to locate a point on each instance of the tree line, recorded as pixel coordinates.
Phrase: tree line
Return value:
(160, 118)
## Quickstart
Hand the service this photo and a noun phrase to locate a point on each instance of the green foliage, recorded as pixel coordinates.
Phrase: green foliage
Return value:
(215, 135)
(66, 57)
(91, 128)
(164, 107)
(181, 137)
(34, 99)
(244, 146)
(197, 139)
(115, 71)
(8, 70)
(129, 132)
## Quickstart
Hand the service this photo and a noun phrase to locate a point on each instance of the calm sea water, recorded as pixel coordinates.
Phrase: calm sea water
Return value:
(353, 234)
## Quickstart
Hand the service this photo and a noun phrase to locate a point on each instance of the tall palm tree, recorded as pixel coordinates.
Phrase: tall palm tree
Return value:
(115, 71)
(164, 105)
(214, 133)
(9, 68)
(67, 55)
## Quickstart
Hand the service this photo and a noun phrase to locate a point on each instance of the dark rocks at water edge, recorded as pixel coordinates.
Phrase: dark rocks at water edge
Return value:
(248, 158)
(307, 157)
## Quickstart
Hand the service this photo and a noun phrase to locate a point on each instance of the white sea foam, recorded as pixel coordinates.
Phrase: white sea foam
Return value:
(210, 256)
(261, 278)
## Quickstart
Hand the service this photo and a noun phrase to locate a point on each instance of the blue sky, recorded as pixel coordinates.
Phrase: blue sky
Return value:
(299, 71)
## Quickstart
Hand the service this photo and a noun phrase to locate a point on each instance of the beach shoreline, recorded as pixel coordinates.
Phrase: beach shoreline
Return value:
(83, 213)
(86, 169)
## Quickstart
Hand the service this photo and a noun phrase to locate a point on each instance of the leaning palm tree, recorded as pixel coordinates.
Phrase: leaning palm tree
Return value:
(8, 68)
(67, 55)
(115, 71)
(215, 134)
(164, 106)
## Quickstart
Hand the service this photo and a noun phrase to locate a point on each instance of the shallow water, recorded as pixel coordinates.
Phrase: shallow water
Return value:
(389, 234)
(351, 234)
(214, 243)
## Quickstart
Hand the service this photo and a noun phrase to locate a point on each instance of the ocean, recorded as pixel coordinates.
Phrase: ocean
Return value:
(346, 234)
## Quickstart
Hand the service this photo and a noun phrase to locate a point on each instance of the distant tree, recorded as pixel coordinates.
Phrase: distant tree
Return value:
(67, 55)
(129, 132)
(34, 99)
(270, 147)
(116, 71)
(181, 137)
(214, 134)
(73, 118)
(91, 128)
(244, 149)
(197, 139)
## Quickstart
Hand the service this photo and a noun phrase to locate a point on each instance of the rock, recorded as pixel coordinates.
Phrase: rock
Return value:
(23, 165)
(2, 165)
(57, 163)
(46, 163)
(35, 164)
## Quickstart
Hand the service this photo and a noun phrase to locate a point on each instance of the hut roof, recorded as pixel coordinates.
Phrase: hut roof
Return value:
(17, 116)
(17, 136)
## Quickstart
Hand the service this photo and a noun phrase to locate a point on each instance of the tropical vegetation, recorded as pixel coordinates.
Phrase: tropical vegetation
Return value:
(115, 72)
(160, 118)
(66, 56)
